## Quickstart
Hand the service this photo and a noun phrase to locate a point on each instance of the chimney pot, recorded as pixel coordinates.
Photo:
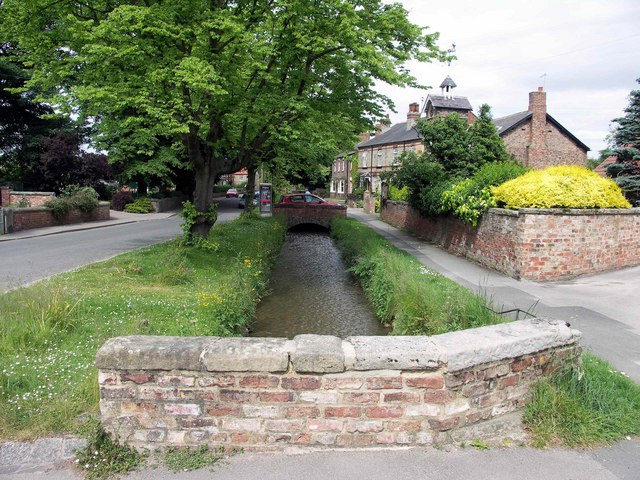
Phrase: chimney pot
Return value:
(540, 89)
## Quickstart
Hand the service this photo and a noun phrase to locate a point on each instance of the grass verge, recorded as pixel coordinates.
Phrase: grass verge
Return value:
(412, 298)
(50, 332)
(584, 406)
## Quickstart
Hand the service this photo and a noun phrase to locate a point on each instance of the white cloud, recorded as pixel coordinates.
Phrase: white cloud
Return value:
(588, 49)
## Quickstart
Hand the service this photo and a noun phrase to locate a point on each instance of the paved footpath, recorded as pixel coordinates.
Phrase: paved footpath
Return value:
(605, 307)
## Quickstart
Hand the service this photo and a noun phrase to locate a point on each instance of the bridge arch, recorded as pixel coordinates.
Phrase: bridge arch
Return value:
(320, 215)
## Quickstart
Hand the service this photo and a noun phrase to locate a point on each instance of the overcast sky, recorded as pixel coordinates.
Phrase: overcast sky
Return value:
(588, 49)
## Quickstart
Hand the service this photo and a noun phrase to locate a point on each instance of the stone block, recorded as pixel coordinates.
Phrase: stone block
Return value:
(139, 352)
(318, 354)
(393, 353)
(246, 355)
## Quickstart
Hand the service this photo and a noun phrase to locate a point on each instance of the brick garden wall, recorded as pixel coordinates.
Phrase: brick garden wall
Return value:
(28, 218)
(536, 244)
(266, 393)
(34, 199)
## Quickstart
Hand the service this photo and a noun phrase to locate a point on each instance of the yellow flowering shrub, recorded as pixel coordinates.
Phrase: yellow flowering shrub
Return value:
(564, 186)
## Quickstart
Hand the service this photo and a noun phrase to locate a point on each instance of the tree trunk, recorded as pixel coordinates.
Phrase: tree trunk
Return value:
(205, 177)
(251, 185)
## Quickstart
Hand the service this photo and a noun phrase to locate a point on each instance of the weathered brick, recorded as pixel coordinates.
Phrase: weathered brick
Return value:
(475, 389)
(107, 378)
(519, 365)
(424, 410)
(452, 380)
(176, 380)
(284, 425)
(182, 409)
(437, 396)
(355, 440)
(365, 426)
(323, 438)
(113, 393)
(385, 438)
(495, 371)
(240, 424)
(259, 381)
(509, 381)
(301, 383)
(138, 378)
(238, 396)
(157, 393)
(136, 408)
(217, 381)
(197, 394)
(361, 397)
(379, 383)
(260, 411)
(301, 439)
(404, 397)
(348, 383)
(198, 422)
(476, 416)
(442, 425)
(343, 412)
(223, 410)
(241, 437)
(275, 397)
(384, 412)
(319, 397)
(325, 425)
(403, 426)
(433, 381)
(488, 399)
(457, 405)
(301, 412)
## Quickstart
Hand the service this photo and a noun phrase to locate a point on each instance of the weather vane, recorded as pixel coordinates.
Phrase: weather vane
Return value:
(450, 51)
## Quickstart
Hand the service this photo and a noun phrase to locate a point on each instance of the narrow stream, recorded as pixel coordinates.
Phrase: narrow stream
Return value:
(313, 293)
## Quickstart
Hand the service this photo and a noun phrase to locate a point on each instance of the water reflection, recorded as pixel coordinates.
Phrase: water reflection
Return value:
(312, 293)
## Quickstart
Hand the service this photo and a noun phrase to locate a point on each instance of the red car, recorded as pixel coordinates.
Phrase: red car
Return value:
(232, 193)
(306, 199)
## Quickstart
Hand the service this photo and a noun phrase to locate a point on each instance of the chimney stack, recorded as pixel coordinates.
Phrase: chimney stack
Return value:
(538, 108)
(413, 115)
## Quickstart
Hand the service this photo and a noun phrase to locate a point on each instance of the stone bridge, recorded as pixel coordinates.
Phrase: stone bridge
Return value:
(309, 214)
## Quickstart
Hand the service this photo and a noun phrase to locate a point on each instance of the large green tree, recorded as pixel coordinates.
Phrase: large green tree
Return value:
(226, 79)
(625, 145)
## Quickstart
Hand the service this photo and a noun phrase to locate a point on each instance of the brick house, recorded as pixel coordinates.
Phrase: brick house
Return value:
(538, 140)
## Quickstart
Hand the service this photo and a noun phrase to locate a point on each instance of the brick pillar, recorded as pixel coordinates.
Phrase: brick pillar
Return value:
(5, 196)
(536, 155)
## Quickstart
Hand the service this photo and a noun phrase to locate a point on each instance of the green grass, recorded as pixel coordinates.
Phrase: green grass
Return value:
(50, 332)
(584, 406)
(404, 293)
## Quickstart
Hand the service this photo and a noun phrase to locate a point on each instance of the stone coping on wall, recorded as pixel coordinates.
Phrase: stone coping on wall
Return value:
(327, 354)
(565, 211)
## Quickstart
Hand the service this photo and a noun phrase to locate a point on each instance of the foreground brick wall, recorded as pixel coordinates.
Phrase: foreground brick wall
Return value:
(536, 244)
(28, 218)
(322, 391)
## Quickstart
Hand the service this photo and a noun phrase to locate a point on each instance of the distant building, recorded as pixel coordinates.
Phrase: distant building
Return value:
(533, 137)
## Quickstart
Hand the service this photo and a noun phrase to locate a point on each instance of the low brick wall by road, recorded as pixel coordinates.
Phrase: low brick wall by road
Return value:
(536, 244)
(27, 218)
(168, 204)
(268, 393)
(33, 199)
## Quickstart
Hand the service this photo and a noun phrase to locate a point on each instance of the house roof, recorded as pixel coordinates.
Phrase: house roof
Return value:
(602, 168)
(511, 122)
(448, 82)
(453, 103)
(398, 133)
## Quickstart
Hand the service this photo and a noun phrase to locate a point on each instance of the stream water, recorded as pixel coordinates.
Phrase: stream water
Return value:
(311, 292)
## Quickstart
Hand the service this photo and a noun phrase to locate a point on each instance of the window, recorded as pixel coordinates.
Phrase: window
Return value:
(341, 186)
(379, 164)
(363, 157)
(333, 186)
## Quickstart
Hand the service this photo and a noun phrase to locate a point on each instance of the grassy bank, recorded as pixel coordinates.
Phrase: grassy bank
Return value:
(584, 406)
(50, 332)
(404, 293)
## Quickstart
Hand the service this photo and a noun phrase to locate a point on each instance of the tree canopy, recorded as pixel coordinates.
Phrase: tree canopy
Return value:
(625, 143)
(226, 81)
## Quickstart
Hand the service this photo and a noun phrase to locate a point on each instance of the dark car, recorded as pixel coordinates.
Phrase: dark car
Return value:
(306, 199)
(232, 193)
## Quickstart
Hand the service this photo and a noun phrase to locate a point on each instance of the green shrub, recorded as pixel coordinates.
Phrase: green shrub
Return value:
(141, 205)
(84, 199)
(429, 200)
(565, 186)
(398, 194)
(470, 198)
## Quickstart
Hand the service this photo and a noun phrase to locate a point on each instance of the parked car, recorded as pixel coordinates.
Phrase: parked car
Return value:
(232, 193)
(306, 199)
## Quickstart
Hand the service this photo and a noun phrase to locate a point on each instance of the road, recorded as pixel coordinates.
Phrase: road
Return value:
(28, 260)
